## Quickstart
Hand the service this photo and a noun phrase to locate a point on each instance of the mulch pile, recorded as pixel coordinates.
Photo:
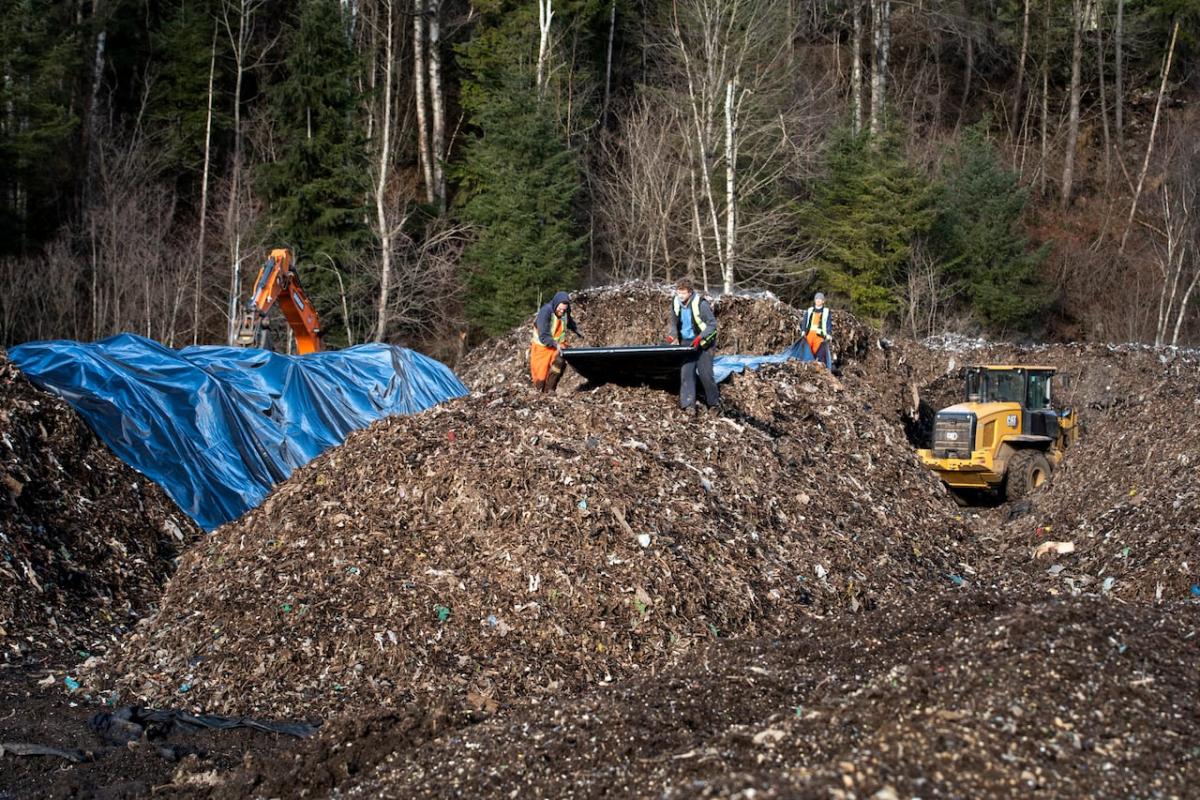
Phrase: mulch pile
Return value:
(967, 694)
(590, 594)
(636, 313)
(503, 545)
(85, 542)
(1126, 501)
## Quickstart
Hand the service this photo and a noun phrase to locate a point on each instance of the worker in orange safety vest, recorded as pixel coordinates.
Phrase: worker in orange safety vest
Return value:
(816, 331)
(546, 363)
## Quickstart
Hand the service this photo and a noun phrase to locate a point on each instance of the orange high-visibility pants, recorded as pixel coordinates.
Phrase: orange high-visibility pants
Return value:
(540, 359)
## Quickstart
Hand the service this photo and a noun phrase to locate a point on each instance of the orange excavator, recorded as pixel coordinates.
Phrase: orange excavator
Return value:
(278, 284)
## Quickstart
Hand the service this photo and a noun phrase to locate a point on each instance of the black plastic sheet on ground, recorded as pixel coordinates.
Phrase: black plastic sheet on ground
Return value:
(630, 365)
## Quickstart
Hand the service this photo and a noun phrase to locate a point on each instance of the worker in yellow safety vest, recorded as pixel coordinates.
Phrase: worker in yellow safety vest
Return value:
(816, 331)
(546, 363)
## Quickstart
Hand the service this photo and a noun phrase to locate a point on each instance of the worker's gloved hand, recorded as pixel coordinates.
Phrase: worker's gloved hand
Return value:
(670, 340)
(696, 342)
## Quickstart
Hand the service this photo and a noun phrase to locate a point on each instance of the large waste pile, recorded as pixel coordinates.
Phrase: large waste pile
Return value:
(85, 542)
(974, 695)
(636, 313)
(496, 547)
(1122, 515)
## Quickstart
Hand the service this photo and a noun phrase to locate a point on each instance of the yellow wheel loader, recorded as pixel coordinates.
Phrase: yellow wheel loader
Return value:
(1006, 439)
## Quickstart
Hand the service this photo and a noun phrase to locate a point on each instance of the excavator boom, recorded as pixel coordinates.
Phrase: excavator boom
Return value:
(278, 284)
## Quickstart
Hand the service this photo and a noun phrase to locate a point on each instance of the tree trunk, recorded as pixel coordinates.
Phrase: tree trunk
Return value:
(238, 44)
(385, 153)
(877, 45)
(1162, 90)
(436, 96)
(856, 87)
(970, 77)
(882, 21)
(612, 29)
(1068, 178)
(212, 68)
(545, 15)
(91, 127)
(1044, 166)
(420, 70)
(1119, 89)
(1016, 116)
(1183, 305)
(730, 186)
(1103, 98)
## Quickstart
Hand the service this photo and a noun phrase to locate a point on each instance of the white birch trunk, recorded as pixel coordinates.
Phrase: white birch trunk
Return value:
(856, 77)
(612, 29)
(1100, 65)
(1162, 90)
(730, 187)
(1068, 178)
(1119, 89)
(420, 70)
(438, 144)
(1183, 306)
(877, 44)
(1043, 166)
(212, 67)
(385, 144)
(1021, 66)
(545, 16)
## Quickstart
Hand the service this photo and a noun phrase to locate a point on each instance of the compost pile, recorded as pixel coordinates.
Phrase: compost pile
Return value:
(636, 314)
(85, 542)
(1124, 507)
(960, 694)
(496, 547)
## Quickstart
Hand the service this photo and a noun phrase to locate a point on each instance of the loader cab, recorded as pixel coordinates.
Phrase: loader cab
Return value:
(1029, 387)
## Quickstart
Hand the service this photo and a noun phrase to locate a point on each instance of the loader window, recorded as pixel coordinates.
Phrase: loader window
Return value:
(1004, 387)
(1038, 396)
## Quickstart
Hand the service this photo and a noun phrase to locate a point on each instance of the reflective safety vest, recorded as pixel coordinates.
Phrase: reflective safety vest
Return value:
(558, 330)
(700, 324)
(822, 321)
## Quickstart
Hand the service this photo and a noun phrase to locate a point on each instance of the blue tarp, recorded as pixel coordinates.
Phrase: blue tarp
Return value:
(724, 366)
(217, 427)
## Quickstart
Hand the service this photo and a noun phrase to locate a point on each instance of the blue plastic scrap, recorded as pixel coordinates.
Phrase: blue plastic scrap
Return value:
(217, 427)
(724, 366)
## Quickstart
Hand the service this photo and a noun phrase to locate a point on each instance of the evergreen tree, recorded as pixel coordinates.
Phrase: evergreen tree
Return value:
(978, 237)
(39, 51)
(178, 107)
(519, 181)
(863, 217)
(316, 188)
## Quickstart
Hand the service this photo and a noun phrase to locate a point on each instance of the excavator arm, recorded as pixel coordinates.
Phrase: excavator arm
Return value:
(278, 284)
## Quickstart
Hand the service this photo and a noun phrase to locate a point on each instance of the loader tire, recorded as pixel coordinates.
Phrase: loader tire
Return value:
(1027, 470)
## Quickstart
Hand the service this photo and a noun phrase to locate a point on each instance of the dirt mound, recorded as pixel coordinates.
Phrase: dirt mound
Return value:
(963, 694)
(86, 542)
(636, 313)
(504, 545)
(1127, 498)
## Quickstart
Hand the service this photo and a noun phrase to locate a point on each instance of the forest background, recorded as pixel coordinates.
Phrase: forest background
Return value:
(1019, 168)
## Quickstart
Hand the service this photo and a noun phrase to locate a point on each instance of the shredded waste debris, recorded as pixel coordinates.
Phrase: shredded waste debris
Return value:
(591, 594)
(86, 543)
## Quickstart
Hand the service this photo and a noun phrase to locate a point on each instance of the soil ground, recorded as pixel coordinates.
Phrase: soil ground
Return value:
(47, 715)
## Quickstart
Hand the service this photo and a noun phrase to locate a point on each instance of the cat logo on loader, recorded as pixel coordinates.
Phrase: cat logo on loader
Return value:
(1007, 438)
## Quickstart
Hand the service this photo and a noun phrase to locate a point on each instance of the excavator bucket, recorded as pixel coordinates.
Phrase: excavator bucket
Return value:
(250, 331)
